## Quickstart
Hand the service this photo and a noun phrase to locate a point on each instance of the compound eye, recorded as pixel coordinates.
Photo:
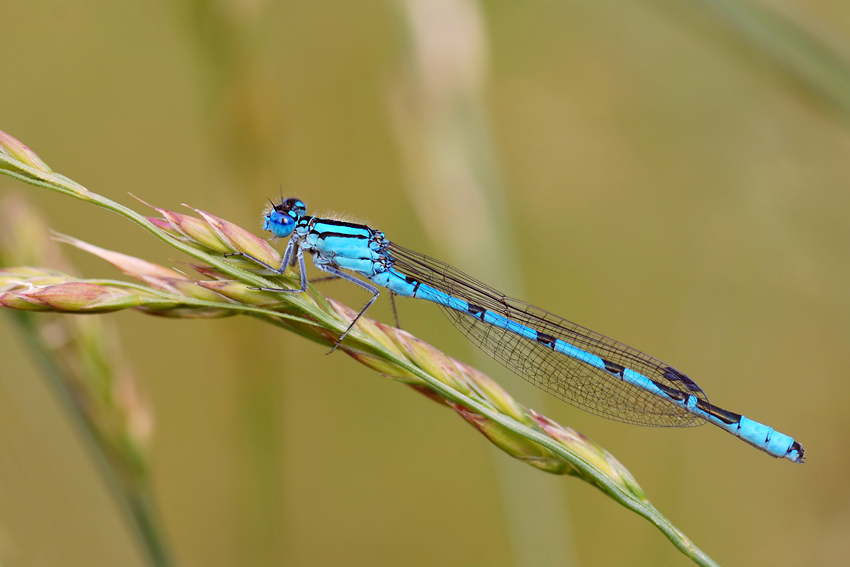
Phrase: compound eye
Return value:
(279, 224)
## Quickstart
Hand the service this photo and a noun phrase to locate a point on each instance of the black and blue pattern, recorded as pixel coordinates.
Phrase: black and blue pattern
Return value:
(573, 363)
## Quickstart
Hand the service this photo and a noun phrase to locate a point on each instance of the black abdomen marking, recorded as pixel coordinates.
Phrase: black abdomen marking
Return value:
(547, 340)
(476, 311)
(614, 368)
(721, 414)
(412, 280)
(673, 393)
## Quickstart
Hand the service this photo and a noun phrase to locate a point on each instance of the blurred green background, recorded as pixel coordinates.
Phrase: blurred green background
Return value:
(672, 174)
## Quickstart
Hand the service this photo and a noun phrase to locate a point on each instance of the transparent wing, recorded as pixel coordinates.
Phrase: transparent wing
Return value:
(568, 379)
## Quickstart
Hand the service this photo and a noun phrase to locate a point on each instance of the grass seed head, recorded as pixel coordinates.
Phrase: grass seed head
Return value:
(241, 240)
(195, 230)
(78, 297)
(513, 444)
(14, 148)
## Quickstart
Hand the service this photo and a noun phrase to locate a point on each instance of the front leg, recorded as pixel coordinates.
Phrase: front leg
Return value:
(279, 271)
(336, 272)
(286, 256)
(288, 259)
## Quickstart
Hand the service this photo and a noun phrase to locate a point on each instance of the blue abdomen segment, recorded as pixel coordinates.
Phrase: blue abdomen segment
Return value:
(756, 434)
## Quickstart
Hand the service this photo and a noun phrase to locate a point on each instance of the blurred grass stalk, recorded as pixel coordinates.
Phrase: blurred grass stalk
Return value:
(802, 50)
(522, 433)
(438, 111)
(82, 358)
(243, 119)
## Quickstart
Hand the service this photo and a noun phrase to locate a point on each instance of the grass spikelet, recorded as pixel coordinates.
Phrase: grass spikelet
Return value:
(18, 151)
(241, 240)
(196, 231)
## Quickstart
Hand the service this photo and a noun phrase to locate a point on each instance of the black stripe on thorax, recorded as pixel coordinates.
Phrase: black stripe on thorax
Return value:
(344, 223)
(327, 234)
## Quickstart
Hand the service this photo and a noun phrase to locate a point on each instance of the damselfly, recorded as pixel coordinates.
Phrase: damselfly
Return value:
(574, 364)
